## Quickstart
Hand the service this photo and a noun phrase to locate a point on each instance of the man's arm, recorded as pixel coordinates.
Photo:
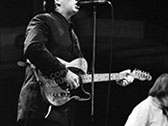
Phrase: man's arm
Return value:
(35, 48)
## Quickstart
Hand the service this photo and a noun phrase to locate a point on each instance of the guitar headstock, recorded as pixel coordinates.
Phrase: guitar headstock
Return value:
(141, 75)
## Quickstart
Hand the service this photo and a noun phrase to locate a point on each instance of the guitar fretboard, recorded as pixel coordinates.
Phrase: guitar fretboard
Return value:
(101, 77)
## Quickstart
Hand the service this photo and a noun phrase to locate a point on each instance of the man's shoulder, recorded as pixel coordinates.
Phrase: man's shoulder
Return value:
(144, 105)
(48, 18)
(43, 15)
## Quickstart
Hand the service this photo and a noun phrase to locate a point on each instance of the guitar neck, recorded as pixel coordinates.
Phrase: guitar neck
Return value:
(101, 77)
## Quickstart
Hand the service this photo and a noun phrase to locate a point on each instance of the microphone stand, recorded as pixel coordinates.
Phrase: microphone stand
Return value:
(94, 4)
(93, 63)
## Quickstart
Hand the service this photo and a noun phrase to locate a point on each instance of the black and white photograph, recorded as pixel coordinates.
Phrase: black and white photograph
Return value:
(83, 63)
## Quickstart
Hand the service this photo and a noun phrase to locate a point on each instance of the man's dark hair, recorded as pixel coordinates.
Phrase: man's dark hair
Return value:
(49, 5)
(160, 87)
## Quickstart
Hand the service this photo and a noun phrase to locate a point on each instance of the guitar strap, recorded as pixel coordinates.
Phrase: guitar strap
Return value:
(39, 82)
(28, 63)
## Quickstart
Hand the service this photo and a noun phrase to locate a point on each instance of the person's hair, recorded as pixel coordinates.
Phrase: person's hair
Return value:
(160, 87)
(49, 5)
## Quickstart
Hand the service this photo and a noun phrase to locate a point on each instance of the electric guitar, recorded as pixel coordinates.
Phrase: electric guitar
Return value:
(56, 94)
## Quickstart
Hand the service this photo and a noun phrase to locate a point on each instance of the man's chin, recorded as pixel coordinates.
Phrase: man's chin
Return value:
(75, 11)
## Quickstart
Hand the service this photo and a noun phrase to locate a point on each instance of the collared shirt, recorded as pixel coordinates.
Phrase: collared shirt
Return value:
(147, 113)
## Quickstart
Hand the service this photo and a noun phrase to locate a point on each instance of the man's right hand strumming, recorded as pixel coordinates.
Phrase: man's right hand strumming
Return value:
(72, 80)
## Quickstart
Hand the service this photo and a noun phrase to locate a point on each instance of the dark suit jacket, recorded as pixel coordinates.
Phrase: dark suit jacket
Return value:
(48, 36)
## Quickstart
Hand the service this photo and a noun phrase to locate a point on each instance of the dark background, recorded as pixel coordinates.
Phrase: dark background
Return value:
(139, 40)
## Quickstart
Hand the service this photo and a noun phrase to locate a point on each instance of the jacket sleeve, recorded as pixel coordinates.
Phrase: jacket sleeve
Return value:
(35, 48)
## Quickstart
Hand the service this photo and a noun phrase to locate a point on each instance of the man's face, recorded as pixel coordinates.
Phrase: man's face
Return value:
(70, 6)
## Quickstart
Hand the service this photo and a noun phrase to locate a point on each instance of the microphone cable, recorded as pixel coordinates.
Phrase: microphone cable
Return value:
(110, 64)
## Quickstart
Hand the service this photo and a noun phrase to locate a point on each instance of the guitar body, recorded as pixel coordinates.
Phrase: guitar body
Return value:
(56, 92)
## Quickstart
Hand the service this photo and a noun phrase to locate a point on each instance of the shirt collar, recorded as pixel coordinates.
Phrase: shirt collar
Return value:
(155, 102)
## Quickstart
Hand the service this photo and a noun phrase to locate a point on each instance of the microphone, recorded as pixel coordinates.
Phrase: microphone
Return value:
(93, 2)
